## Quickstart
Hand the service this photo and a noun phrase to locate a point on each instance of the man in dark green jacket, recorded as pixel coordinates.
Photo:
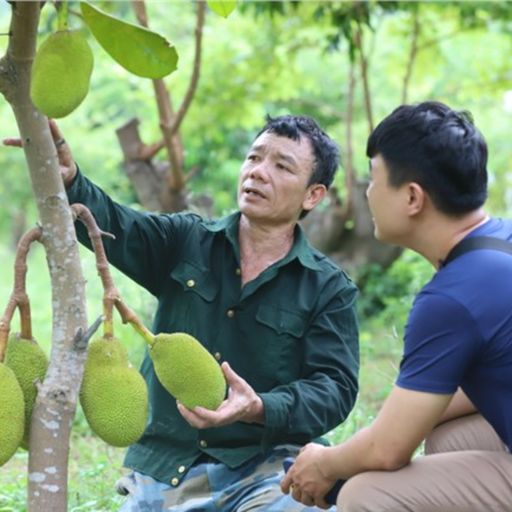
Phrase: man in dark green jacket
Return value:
(276, 313)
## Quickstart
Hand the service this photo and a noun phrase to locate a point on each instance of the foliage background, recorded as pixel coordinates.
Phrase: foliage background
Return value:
(253, 64)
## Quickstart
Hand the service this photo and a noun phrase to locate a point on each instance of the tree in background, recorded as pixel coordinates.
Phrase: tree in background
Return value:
(385, 53)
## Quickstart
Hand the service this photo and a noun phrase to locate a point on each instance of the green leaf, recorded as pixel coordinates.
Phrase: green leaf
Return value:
(222, 7)
(139, 50)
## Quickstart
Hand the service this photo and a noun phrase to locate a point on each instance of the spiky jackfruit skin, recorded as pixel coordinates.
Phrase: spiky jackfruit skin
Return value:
(113, 394)
(12, 414)
(188, 371)
(29, 363)
(61, 73)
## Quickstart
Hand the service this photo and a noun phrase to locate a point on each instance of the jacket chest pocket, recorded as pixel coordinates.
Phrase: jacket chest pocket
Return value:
(195, 280)
(195, 292)
(283, 348)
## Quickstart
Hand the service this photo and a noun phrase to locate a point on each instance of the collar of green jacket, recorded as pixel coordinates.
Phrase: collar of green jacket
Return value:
(300, 250)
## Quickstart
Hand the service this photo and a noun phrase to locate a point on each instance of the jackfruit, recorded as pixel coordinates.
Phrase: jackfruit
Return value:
(113, 394)
(29, 363)
(12, 414)
(61, 72)
(187, 370)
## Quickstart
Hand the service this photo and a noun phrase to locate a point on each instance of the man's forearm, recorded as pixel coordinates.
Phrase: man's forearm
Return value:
(361, 453)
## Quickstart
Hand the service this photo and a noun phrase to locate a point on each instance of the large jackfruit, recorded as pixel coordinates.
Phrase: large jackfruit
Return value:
(61, 72)
(187, 370)
(12, 414)
(113, 394)
(29, 363)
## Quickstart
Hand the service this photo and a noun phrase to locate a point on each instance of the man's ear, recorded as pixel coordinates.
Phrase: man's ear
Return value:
(416, 198)
(314, 194)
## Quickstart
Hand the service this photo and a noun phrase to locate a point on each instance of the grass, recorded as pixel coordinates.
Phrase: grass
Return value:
(94, 466)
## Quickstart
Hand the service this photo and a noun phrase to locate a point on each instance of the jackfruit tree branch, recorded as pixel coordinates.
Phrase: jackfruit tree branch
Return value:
(111, 296)
(18, 298)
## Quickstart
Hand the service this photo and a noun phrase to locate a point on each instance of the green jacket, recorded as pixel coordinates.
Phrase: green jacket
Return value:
(291, 333)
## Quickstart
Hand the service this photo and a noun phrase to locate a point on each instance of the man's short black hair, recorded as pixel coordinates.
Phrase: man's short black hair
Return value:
(438, 148)
(325, 150)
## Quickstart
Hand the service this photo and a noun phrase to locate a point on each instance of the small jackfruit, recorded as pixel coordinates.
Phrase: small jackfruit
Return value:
(113, 395)
(29, 363)
(61, 72)
(187, 370)
(12, 414)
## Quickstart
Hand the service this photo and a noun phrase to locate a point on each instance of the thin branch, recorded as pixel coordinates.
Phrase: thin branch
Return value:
(147, 152)
(194, 171)
(413, 51)
(169, 121)
(81, 339)
(166, 114)
(194, 79)
(364, 76)
(349, 144)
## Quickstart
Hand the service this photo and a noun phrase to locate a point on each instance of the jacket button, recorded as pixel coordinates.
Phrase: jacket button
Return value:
(230, 313)
(217, 356)
(191, 283)
(175, 481)
(181, 469)
(203, 443)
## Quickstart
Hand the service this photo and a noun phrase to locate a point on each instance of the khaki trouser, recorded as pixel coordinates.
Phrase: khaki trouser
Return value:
(466, 468)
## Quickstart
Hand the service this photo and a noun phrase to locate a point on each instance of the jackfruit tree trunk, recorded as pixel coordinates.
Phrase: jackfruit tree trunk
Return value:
(56, 402)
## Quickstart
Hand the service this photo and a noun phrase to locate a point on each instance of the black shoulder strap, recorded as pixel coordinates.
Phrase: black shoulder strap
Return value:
(478, 242)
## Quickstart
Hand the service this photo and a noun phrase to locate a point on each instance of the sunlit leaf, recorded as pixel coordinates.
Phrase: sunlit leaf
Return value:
(139, 50)
(222, 7)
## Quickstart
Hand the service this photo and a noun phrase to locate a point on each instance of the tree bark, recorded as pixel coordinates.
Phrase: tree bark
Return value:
(56, 401)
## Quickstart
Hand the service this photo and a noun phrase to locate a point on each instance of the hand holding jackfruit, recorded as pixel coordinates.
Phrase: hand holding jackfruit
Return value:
(113, 395)
(29, 363)
(187, 370)
(12, 414)
(61, 73)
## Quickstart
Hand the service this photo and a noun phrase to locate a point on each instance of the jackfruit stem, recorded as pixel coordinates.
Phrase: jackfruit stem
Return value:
(110, 293)
(20, 274)
(146, 334)
(111, 296)
(4, 335)
(19, 298)
(108, 322)
(62, 15)
(128, 316)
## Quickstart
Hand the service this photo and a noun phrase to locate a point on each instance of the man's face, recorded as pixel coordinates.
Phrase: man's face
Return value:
(273, 184)
(388, 204)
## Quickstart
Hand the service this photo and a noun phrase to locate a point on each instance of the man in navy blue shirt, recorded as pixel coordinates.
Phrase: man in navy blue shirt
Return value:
(454, 389)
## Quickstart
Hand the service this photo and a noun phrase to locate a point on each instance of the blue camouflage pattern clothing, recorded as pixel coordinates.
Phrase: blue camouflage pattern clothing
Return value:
(214, 487)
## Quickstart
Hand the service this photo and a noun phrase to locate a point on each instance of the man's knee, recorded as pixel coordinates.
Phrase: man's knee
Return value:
(356, 494)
